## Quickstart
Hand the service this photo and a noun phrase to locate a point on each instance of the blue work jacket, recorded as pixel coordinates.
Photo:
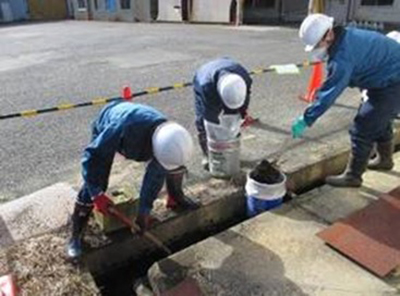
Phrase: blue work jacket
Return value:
(126, 128)
(357, 58)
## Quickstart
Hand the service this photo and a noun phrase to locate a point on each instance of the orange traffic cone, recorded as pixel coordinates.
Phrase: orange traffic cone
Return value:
(314, 84)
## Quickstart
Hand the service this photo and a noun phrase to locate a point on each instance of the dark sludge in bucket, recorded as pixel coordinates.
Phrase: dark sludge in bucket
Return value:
(265, 188)
(266, 173)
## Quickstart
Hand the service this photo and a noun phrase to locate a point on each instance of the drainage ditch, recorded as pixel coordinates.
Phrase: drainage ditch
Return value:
(121, 281)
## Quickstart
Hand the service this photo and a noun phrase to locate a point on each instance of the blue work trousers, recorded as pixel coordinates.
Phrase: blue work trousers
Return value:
(374, 120)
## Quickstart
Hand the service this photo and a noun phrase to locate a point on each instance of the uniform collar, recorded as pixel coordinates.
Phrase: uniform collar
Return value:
(340, 32)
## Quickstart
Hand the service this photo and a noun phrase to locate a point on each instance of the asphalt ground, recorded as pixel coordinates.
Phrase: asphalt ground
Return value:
(47, 64)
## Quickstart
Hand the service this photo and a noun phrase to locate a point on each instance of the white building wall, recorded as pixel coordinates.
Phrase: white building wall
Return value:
(169, 10)
(211, 11)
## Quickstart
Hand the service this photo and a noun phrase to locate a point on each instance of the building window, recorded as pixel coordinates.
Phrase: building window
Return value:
(377, 2)
(259, 3)
(125, 4)
(96, 4)
(81, 4)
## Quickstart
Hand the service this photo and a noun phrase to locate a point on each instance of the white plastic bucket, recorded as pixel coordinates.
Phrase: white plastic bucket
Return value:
(224, 157)
(263, 197)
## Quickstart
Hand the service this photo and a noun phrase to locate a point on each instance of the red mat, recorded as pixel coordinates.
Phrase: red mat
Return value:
(371, 236)
(188, 287)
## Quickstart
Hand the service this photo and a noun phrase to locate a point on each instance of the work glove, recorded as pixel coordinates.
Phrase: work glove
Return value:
(298, 127)
(102, 203)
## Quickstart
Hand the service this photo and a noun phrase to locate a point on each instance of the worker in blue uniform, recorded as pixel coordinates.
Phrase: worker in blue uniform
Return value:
(355, 58)
(222, 96)
(140, 133)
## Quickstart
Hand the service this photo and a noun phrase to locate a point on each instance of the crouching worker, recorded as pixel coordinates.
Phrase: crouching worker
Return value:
(140, 133)
(222, 96)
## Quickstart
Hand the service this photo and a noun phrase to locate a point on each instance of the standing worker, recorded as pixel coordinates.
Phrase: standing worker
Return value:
(140, 133)
(356, 58)
(222, 96)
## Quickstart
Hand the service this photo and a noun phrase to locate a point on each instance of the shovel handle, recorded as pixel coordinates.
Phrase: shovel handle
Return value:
(135, 228)
(276, 156)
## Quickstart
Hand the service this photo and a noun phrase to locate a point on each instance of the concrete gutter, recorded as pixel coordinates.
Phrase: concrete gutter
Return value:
(222, 202)
(260, 256)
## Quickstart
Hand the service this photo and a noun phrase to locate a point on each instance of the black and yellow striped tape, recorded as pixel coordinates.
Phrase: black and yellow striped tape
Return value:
(147, 91)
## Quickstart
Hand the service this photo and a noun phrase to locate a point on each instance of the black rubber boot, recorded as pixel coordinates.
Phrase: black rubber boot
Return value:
(384, 158)
(351, 176)
(176, 197)
(80, 218)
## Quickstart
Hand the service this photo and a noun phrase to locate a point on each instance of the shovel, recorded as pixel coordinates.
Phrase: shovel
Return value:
(135, 229)
(276, 156)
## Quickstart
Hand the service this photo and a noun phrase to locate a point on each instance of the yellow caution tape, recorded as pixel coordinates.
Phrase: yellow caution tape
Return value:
(29, 113)
(152, 90)
(65, 106)
(99, 101)
(279, 69)
(258, 71)
(179, 85)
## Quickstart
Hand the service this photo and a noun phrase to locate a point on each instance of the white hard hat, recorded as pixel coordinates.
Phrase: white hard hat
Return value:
(233, 90)
(394, 35)
(313, 28)
(172, 145)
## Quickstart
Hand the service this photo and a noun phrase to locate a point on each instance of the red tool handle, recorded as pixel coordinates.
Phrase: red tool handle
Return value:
(135, 228)
(124, 219)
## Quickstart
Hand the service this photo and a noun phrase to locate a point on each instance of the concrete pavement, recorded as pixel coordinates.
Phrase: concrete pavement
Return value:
(278, 253)
(43, 65)
(91, 59)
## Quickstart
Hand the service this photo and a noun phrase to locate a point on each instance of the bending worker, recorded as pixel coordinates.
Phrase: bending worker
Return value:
(140, 133)
(222, 96)
(356, 58)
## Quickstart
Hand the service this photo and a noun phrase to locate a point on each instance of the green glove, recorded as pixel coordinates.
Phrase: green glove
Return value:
(298, 127)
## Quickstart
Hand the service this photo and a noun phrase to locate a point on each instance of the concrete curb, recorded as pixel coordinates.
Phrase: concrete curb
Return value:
(40, 212)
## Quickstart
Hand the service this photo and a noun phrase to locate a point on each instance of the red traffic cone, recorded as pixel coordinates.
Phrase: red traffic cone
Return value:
(127, 93)
(314, 83)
